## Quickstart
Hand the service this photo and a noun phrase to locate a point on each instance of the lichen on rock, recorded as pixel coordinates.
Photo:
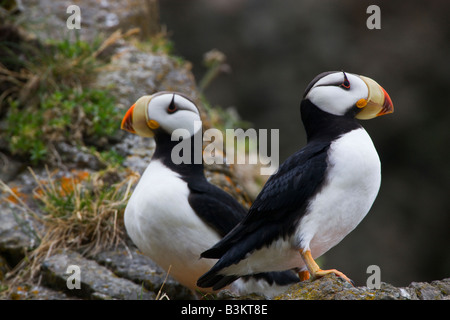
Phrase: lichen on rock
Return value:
(332, 287)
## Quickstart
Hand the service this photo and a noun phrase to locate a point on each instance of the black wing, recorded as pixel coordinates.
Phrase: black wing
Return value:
(222, 212)
(277, 209)
(214, 206)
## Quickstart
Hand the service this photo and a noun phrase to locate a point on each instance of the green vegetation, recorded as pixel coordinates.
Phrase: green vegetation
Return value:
(47, 97)
(158, 43)
(69, 115)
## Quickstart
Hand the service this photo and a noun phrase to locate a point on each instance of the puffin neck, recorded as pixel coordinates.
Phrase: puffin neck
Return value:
(320, 125)
(163, 152)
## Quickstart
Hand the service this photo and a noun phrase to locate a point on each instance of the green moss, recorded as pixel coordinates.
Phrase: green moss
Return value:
(47, 97)
(75, 116)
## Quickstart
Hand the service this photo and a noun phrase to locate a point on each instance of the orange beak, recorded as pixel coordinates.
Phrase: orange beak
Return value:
(127, 121)
(136, 119)
(388, 106)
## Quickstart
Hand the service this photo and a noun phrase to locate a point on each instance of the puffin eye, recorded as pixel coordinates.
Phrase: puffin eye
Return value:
(172, 107)
(346, 83)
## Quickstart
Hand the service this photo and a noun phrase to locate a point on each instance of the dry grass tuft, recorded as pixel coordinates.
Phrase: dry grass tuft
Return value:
(83, 212)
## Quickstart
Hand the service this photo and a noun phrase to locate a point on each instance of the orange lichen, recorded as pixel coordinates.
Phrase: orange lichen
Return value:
(15, 195)
(67, 184)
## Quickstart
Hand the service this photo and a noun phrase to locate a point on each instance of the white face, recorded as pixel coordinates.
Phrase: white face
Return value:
(173, 111)
(336, 94)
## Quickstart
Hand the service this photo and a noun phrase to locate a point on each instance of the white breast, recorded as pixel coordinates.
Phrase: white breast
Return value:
(351, 186)
(162, 224)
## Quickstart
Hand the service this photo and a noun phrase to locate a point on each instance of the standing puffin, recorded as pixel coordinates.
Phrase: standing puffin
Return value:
(174, 213)
(318, 195)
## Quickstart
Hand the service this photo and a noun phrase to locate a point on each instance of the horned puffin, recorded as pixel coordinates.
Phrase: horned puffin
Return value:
(318, 195)
(174, 213)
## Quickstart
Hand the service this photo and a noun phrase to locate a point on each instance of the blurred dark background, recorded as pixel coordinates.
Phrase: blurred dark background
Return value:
(275, 48)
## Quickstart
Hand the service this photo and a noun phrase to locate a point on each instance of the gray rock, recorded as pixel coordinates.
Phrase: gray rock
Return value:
(130, 264)
(15, 239)
(436, 290)
(133, 73)
(331, 287)
(137, 151)
(48, 18)
(443, 286)
(97, 282)
(37, 292)
(77, 155)
(9, 167)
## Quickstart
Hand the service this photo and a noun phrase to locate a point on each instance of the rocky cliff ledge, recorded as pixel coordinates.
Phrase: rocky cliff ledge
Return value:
(333, 288)
(124, 273)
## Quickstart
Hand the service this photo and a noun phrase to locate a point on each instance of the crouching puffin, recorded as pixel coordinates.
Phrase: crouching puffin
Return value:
(174, 213)
(318, 195)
